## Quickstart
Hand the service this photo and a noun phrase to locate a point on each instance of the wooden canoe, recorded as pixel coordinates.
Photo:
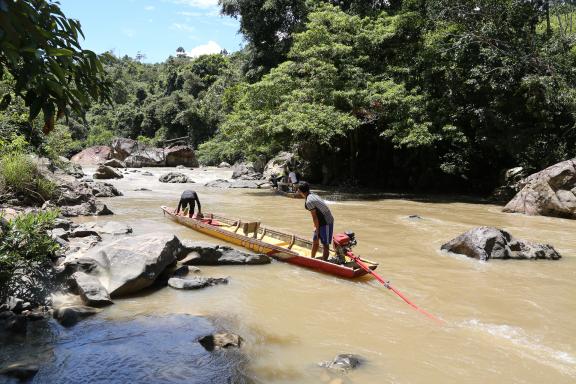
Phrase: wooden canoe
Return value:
(277, 244)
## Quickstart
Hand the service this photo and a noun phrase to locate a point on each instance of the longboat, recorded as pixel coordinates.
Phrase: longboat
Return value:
(272, 242)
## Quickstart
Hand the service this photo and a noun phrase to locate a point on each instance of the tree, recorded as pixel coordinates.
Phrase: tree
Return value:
(39, 47)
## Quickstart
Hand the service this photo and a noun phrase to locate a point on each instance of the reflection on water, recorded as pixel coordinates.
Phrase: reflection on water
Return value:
(148, 349)
(507, 321)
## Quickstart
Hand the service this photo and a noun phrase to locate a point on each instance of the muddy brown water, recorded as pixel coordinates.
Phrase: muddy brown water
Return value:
(506, 321)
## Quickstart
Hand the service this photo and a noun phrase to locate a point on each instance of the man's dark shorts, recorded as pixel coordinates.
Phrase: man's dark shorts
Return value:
(325, 233)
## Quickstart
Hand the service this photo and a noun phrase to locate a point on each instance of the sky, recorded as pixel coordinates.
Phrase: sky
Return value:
(155, 28)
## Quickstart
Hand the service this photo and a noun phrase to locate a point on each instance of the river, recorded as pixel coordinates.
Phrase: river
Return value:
(505, 321)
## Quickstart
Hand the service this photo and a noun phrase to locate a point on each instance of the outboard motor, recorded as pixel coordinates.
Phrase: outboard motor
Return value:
(343, 243)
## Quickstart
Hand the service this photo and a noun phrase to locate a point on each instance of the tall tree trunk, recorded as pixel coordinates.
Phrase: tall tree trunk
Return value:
(548, 26)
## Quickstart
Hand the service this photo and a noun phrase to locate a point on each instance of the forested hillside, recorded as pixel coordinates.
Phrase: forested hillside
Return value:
(407, 95)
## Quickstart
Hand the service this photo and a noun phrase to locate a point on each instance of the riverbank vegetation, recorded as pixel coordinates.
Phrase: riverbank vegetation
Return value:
(404, 94)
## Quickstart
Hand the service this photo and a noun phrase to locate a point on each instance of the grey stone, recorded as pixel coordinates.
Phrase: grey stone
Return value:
(200, 253)
(343, 362)
(105, 172)
(174, 177)
(486, 243)
(220, 341)
(115, 163)
(195, 282)
(91, 290)
(20, 371)
(134, 263)
(71, 315)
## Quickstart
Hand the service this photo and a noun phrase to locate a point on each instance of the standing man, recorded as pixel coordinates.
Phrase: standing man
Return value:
(189, 199)
(322, 217)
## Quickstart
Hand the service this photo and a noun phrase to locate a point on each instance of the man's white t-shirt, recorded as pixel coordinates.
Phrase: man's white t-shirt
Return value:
(292, 177)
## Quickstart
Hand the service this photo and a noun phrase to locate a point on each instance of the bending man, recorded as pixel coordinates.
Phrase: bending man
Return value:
(322, 217)
(189, 199)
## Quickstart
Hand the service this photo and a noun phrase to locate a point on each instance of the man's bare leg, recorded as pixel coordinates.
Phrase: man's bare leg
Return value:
(315, 245)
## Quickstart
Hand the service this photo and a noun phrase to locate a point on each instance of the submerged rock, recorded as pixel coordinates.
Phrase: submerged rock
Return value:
(20, 371)
(195, 282)
(485, 243)
(343, 362)
(71, 315)
(220, 341)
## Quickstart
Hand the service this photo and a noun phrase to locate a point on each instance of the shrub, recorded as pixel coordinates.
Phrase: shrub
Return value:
(26, 250)
(19, 174)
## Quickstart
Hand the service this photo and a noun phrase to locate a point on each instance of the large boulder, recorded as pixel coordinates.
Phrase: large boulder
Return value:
(245, 171)
(180, 155)
(485, 243)
(551, 192)
(108, 228)
(200, 253)
(92, 156)
(277, 164)
(122, 148)
(128, 265)
(106, 172)
(174, 177)
(91, 290)
(146, 157)
(218, 341)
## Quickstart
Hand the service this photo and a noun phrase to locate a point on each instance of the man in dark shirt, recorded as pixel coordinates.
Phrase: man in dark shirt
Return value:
(322, 217)
(189, 199)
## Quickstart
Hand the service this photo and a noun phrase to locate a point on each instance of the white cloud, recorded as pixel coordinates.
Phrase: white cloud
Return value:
(197, 3)
(149, 8)
(129, 32)
(205, 49)
(182, 27)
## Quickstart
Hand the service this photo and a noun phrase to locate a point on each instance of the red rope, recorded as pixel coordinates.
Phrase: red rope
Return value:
(387, 285)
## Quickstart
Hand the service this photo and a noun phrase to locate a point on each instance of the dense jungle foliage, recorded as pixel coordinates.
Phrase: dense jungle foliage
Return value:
(397, 94)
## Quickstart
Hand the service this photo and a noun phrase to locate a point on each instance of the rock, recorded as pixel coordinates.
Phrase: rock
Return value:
(343, 362)
(548, 192)
(147, 174)
(133, 263)
(71, 315)
(174, 177)
(20, 371)
(220, 341)
(195, 282)
(245, 171)
(277, 164)
(180, 155)
(220, 183)
(14, 304)
(91, 290)
(184, 270)
(141, 189)
(122, 148)
(415, 218)
(75, 264)
(82, 244)
(199, 253)
(15, 324)
(146, 157)
(83, 231)
(105, 172)
(250, 184)
(224, 165)
(108, 227)
(486, 243)
(70, 168)
(91, 208)
(92, 156)
(115, 163)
